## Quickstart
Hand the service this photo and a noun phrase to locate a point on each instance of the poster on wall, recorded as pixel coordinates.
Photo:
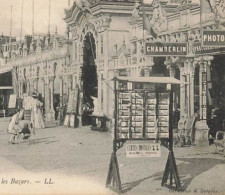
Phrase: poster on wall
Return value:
(12, 101)
(66, 120)
(72, 121)
(73, 101)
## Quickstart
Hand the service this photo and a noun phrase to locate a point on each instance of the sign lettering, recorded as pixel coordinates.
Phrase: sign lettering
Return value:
(159, 49)
(213, 38)
(199, 50)
(143, 150)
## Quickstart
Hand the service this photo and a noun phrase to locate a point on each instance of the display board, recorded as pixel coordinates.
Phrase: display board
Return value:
(27, 102)
(72, 102)
(12, 101)
(72, 107)
(66, 120)
(142, 114)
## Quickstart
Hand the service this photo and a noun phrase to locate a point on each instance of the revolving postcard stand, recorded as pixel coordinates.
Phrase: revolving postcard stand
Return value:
(143, 114)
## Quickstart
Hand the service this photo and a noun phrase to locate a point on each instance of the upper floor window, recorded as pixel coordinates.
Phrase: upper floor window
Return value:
(101, 44)
(76, 50)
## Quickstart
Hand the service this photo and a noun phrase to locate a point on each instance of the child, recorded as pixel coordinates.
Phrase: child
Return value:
(26, 131)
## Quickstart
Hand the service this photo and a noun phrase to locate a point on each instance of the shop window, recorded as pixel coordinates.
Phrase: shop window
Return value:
(76, 50)
(196, 90)
(101, 44)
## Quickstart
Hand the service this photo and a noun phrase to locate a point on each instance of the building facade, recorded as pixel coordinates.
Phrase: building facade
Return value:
(107, 39)
(42, 65)
(115, 34)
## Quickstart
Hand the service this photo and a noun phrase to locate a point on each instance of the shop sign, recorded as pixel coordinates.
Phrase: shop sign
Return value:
(123, 72)
(162, 49)
(199, 50)
(143, 150)
(213, 38)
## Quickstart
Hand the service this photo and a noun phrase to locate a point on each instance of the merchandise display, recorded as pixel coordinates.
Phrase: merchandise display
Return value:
(142, 115)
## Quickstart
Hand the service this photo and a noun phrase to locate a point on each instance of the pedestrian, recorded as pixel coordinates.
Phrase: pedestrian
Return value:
(37, 118)
(14, 127)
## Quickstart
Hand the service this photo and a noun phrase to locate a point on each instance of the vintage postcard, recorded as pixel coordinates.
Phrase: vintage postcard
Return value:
(112, 97)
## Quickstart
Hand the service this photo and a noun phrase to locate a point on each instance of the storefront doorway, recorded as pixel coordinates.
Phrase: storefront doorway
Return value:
(216, 110)
(89, 77)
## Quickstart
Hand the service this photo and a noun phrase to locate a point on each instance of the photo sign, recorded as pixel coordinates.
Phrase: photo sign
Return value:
(166, 49)
(213, 38)
(143, 150)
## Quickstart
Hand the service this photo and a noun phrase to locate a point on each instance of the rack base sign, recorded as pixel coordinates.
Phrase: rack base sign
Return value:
(143, 150)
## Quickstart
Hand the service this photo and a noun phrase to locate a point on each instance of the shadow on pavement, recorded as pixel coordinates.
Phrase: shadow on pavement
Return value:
(129, 186)
(188, 170)
(191, 168)
(45, 140)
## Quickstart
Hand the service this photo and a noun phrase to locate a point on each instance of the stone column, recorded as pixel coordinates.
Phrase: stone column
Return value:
(182, 92)
(100, 90)
(192, 72)
(43, 87)
(202, 129)
(22, 82)
(51, 87)
(147, 71)
(61, 91)
(49, 116)
(19, 90)
(105, 75)
(35, 84)
(28, 86)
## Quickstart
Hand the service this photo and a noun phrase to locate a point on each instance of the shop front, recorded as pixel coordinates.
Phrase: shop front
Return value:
(6, 89)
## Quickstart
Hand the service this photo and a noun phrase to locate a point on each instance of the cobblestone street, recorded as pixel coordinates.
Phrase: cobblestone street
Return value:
(76, 161)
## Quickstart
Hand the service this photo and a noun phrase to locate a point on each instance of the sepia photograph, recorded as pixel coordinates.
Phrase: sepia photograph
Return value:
(106, 97)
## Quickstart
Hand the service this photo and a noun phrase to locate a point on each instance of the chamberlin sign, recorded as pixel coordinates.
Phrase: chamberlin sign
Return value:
(162, 49)
(213, 38)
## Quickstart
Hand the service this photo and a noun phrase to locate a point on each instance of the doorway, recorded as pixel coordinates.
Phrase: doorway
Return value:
(216, 120)
(89, 78)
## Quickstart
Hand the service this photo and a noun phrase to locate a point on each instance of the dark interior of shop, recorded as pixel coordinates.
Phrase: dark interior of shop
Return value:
(89, 76)
(216, 108)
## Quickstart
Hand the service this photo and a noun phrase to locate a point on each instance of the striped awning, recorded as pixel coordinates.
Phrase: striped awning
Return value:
(166, 80)
(4, 69)
(6, 87)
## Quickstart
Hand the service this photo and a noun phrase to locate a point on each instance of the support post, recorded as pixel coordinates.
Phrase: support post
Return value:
(171, 168)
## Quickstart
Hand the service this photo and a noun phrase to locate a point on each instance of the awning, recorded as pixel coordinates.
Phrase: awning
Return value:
(166, 80)
(5, 69)
(6, 76)
(6, 87)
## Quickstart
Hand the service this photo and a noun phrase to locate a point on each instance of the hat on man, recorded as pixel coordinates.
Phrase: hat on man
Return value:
(34, 95)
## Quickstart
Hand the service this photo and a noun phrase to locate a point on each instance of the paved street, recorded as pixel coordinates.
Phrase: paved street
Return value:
(76, 161)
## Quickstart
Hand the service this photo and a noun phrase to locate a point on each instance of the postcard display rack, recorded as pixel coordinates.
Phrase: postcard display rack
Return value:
(142, 115)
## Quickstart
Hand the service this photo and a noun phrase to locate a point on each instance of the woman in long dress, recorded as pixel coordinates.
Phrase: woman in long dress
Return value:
(36, 114)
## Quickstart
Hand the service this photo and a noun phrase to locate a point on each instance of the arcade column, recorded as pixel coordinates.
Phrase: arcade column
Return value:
(35, 84)
(49, 110)
(202, 129)
(61, 90)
